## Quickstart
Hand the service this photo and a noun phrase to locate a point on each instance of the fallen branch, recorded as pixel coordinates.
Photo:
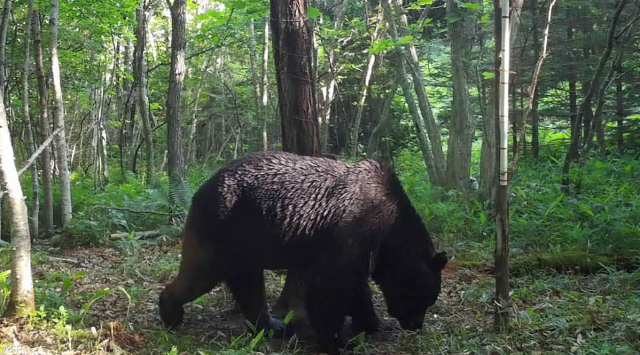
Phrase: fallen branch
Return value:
(64, 260)
(132, 211)
(139, 235)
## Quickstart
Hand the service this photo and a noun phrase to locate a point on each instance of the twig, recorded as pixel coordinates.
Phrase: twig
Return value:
(220, 43)
(36, 154)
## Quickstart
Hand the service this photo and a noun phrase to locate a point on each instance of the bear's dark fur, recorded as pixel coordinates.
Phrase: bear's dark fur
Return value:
(323, 219)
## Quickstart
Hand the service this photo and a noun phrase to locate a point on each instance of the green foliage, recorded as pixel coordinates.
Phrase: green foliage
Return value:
(599, 222)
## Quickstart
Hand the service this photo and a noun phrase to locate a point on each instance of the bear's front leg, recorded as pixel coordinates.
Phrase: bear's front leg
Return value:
(328, 293)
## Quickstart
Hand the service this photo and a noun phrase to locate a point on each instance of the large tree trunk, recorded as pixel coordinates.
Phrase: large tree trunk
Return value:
(32, 143)
(489, 150)
(58, 118)
(22, 296)
(438, 173)
(502, 190)
(140, 78)
(462, 127)
(265, 85)
(297, 107)
(45, 127)
(366, 79)
(175, 158)
(296, 96)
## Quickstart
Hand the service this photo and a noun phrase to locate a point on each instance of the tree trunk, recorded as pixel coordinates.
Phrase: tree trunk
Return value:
(502, 191)
(191, 144)
(255, 80)
(533, 88)
(175, 158)
(32, 143)
(45, 126)
(330, 83)
(462, 126)
(296, 96)
(366, 79)
(22, 296)
(4, 26)
(585, 107)
(619, 109)
(411, 56)
(265, 85)
(418, 122)
(140, 78)
(58, 118)
(535, 132)
(489, 151)
(382, 120)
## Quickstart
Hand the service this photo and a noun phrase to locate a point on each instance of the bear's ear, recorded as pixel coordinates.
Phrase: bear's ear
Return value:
(439, 261)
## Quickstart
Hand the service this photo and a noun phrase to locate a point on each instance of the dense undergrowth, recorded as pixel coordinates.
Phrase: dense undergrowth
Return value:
(597, 225)
(574, 256)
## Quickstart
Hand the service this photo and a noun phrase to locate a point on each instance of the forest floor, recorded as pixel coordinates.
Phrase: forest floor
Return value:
(104, 301)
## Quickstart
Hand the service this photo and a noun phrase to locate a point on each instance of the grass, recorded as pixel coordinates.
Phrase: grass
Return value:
(575, 278)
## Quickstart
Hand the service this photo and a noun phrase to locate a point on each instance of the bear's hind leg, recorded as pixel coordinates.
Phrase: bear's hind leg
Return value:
(196, 277)
(248, 290)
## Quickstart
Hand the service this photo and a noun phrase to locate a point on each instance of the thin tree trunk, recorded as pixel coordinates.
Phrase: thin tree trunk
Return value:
(175, 157)
(619, 109)
(535, 120)
(585, 106)
(411, 56)
(255, 79)
(265, 85)
(462, 126)
(502, 191)
(45, 126)
(4, 27)
(330, 83)
(366, 79)
(418, 122)
(143, 100)
(296, 97)
(58, 118)
(22, 296)
(382, 120)
(31, 140)
(191, 145)
(534, 86)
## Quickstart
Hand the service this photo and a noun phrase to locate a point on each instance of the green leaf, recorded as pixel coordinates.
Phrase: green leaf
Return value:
(404, 40)
(488, 75)
(313, 13)
(424, 2)
(472, 6)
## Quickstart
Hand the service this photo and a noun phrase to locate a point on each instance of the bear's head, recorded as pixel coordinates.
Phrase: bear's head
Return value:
(410, 287)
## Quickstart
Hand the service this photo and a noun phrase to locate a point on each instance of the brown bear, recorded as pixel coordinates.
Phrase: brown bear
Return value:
(333, 223)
